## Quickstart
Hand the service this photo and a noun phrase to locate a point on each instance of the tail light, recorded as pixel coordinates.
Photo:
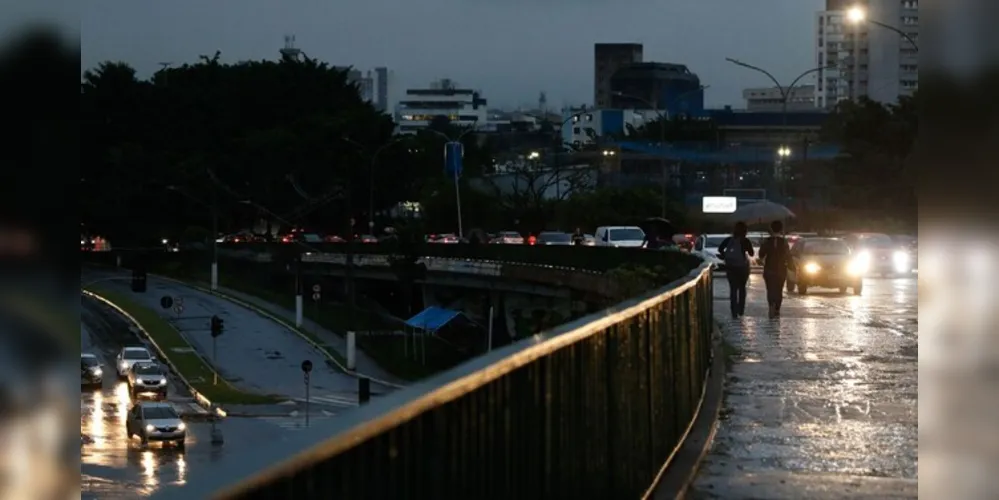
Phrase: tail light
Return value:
(285, 240)
(531, 240)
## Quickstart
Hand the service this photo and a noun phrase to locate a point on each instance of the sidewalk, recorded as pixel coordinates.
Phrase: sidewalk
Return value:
(820, 403)
(365, 365)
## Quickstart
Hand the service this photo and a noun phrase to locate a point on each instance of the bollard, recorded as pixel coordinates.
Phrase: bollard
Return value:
(216, 435)
(351, 351)
(117, 260)
(363, 390)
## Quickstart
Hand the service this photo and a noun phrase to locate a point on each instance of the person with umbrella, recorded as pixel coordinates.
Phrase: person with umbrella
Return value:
(776, 255)
(734, 250)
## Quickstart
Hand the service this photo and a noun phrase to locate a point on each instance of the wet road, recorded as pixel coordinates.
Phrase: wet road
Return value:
(254, 353)
(820, 403)
(113, 466)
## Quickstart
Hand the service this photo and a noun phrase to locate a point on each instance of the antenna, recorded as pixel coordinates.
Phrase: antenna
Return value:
(290, 52)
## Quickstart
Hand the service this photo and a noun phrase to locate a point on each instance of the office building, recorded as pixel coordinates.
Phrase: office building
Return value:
(585, 126)
(464, 108)
(607, 59)
(651, 85)
(382, 89)
(869, 60)
(799, 98)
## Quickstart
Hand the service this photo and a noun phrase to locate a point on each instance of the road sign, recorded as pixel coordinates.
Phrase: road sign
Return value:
(315, 297)
(453, 153)
(178, 308)
(166, 302)
(306, 366)
(316, 288)
(179, 301)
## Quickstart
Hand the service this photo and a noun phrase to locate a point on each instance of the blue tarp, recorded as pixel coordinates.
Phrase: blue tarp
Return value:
(433, 318)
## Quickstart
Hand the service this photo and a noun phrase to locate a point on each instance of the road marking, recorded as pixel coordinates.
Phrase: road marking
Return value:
(296, 423)
(331, 400)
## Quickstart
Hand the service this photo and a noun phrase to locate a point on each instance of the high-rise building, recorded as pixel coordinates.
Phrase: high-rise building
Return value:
(669, 87)
(382, 89)
(869, 60)
(464, 108)
(607, 59)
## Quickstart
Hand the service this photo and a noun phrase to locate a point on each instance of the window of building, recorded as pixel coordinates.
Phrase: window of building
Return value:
(576, 131)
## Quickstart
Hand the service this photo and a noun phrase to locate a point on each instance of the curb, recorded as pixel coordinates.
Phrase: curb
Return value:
(284, 323)
(678, 473)
(200, 398)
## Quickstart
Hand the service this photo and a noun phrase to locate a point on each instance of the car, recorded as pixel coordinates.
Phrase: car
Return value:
(554, 238)
(827, 263)
(684, 242)
(887, 257)
(508, 238)
(128, 356)
(757, 239)
(589, 240)
(447, 239)
(620, 236)
(147, 379)
(706, 246)
(153, 421)
(91, 373)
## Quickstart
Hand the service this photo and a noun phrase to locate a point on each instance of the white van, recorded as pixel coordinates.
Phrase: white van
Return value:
(619, 236)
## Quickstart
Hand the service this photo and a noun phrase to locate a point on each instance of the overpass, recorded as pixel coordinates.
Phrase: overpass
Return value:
(594, 408)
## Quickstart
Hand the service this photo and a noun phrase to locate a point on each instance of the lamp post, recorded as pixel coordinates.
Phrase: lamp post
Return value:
(785, 93)
(457, 189)
(215, 232)
(371, 176)
(663, 118)
(857, 15)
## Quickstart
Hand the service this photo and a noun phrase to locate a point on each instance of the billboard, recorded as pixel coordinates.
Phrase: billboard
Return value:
(719, 204)
(453, 153)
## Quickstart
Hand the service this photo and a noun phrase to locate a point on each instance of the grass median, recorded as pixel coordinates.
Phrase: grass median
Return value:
(181, 354)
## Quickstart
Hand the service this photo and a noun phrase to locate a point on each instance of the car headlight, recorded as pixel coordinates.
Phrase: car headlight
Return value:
(901, 261)
(150, 428)
(181, 426)
(858, 267)
(97, 371)
(812, 268)
(123, 365)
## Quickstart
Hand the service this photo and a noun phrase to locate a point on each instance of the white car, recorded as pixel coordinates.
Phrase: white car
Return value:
(706, 246)
(129, 356)
(619, 236)
(155, 422)
(508, 238)
(147, 379)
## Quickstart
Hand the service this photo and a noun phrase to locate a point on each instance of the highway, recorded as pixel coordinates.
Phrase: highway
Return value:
(114, 467)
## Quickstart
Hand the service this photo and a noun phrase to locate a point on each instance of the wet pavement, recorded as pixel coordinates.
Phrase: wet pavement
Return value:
(115, 467)
(254, 353)
(820, 403)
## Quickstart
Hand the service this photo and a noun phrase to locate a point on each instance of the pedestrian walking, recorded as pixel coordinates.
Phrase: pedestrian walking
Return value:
(578, 238)
(776, 255)
(736, 250)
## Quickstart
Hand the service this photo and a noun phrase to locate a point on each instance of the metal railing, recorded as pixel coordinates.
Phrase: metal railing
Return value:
(591, 409)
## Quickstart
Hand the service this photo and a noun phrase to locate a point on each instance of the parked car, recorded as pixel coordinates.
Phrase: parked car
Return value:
(620, 236)
(155, 422)
(827, 263)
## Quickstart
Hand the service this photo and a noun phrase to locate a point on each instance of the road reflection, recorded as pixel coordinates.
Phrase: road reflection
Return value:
(125, 465)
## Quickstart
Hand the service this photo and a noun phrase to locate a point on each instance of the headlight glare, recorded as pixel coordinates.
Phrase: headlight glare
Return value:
(812, 268)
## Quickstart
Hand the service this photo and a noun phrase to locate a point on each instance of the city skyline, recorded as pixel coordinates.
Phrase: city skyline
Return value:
(510, 52)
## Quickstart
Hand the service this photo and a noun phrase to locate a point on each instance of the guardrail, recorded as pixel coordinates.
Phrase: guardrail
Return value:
(591, 409)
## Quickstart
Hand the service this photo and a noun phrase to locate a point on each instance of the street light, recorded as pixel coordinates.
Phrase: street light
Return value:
(371, 175)
(534, 155)
(857, 15)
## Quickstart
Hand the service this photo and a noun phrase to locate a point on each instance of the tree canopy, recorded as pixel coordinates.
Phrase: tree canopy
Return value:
(286, 141)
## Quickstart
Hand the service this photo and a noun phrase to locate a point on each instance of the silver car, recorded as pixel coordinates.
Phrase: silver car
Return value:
(129, 356)
(147, 379)
(155, 422)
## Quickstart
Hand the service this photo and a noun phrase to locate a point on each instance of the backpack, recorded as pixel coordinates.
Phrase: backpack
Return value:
(735, 255)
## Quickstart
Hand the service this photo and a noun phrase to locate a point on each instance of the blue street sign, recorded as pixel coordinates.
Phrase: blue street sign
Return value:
(453, 153)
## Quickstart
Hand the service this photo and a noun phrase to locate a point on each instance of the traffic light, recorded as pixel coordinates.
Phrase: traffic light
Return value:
(139, 280)
(217, 326)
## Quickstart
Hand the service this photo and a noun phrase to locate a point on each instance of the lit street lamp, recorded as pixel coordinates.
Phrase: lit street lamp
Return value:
(857, 15)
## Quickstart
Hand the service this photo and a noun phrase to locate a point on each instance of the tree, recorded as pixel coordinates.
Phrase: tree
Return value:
(874, 172)
(265, 133)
